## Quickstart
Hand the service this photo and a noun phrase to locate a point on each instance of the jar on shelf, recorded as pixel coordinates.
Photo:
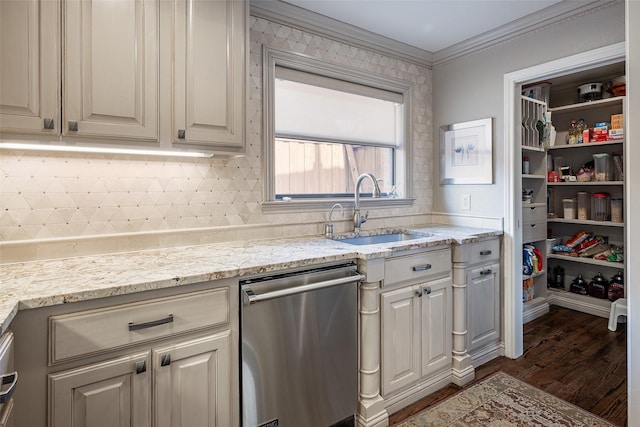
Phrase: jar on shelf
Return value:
(525, 165)
(602, 163)
(618, 166)
(600, 207)
(584, 205)
(616, 209)
(569, 208)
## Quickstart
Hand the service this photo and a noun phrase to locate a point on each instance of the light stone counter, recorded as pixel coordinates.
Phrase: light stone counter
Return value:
(45, 283)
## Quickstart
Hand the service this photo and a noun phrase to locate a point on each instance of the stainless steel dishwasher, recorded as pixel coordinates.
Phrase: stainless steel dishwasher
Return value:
(299, 347)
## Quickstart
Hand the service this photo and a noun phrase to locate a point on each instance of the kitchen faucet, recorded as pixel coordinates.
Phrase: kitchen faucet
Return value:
(358, 220)
(328, 227)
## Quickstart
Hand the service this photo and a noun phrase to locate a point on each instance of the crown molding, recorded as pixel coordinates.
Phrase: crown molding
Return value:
(305, 20)
(536, 21)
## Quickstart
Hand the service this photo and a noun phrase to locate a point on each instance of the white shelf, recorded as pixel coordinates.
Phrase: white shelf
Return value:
(533, 276)
(587, 222)
(533, 205)
(586, 145)
(588, 105)
(533, 148)
(531, 176)
(590, 261)
(586, 184)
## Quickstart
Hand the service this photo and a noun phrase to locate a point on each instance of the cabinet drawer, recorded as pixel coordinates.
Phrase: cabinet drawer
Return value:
(101, 330)
(417, 266)
(473, 253)
(533, 214)
(534, 231)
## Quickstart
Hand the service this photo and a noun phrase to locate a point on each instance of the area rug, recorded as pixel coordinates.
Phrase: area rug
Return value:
(503, 401)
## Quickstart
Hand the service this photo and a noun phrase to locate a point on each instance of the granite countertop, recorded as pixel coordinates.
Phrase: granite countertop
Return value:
(51, 282)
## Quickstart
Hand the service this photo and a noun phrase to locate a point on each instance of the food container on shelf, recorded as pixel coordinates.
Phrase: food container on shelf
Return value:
(579, 285)
(600, 207)
(569, 208)
(589, 92)
(602, 163)
(616, 209)
(618, 168)
(599, 287)
(616, 287)
(584, 205)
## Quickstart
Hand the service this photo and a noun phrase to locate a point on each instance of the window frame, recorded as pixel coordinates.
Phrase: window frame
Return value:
(403, 158)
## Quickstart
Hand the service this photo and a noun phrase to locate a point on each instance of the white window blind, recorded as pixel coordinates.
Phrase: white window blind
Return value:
(319, 108)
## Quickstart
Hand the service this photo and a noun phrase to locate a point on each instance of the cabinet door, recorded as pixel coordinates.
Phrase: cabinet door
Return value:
(193, 383)
(115, 393)
(483, 306)
(436, 324)
(400, 338)
(210, 74)
(110, 84)
(29, 78)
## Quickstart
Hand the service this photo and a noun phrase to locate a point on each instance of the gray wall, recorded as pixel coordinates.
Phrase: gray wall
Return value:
(471, 88)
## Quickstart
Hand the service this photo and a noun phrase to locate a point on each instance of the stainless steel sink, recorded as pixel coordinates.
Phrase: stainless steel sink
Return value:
(381, 238)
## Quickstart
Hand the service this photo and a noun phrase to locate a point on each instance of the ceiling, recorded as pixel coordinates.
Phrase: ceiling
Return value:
(429, 25)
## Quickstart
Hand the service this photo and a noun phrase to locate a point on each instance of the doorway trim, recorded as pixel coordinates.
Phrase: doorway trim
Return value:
(512, 239)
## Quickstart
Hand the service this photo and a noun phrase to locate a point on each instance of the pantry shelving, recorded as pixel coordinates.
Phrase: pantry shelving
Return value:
(578, 156)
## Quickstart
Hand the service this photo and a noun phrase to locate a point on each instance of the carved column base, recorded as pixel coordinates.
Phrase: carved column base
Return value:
(462, 371)
(371, 413)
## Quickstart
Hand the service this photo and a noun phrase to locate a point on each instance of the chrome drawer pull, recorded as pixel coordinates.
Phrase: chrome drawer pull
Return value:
(422, 267)
(141, 367)
(8, 379)
(487, 271)
(145, 325)
(485, 252)
(165, 360)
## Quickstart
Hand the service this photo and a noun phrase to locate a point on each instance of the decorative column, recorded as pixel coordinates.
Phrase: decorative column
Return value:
(462, 368)
(371, 410)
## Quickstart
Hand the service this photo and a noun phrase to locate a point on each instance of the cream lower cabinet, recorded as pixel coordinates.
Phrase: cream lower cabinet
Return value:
(416, 316)
(115, 393)
(192, 386)
(192, 383)
(476, 279)
(167, 357)
(483, 308)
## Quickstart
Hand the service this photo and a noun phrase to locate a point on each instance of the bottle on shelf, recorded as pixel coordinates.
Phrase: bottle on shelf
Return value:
(525, 165)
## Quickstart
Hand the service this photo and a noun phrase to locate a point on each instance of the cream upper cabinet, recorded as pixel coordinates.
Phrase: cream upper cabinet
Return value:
(29, 64)
(111, 68)
(209, 78)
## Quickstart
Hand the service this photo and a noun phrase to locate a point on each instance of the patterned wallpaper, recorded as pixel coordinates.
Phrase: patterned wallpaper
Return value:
(47, 196)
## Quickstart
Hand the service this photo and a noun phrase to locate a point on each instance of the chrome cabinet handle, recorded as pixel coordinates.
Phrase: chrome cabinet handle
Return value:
(141, 367)
(165, 360)
(145, 325)
(49, 124)
(485, 252)
(12, 379)
(73, 126)
(181, 134)
(487, 271)
(421, 267)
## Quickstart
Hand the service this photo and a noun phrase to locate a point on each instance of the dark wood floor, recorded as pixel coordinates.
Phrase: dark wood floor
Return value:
(569, 354)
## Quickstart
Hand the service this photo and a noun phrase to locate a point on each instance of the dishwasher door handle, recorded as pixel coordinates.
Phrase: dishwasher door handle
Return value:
(251, 297)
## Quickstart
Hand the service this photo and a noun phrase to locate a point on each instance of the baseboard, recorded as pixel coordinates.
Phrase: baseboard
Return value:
(582, 303)
(487, 353)
(416, 392)
(534, 309)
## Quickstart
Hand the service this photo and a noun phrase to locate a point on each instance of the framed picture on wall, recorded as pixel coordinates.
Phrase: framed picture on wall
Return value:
(466, 153)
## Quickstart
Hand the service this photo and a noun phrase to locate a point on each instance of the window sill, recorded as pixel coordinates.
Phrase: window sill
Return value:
(320, 205)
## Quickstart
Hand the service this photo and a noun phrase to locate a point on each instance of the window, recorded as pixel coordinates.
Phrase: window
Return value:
(326, 126)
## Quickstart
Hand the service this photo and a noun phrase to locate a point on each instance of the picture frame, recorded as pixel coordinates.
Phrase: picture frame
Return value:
(466, 152)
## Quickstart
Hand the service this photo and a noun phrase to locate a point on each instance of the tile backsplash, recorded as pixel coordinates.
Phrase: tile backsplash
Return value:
(47, 196)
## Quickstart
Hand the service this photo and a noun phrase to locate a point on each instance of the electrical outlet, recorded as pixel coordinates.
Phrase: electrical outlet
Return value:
(466, 202)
